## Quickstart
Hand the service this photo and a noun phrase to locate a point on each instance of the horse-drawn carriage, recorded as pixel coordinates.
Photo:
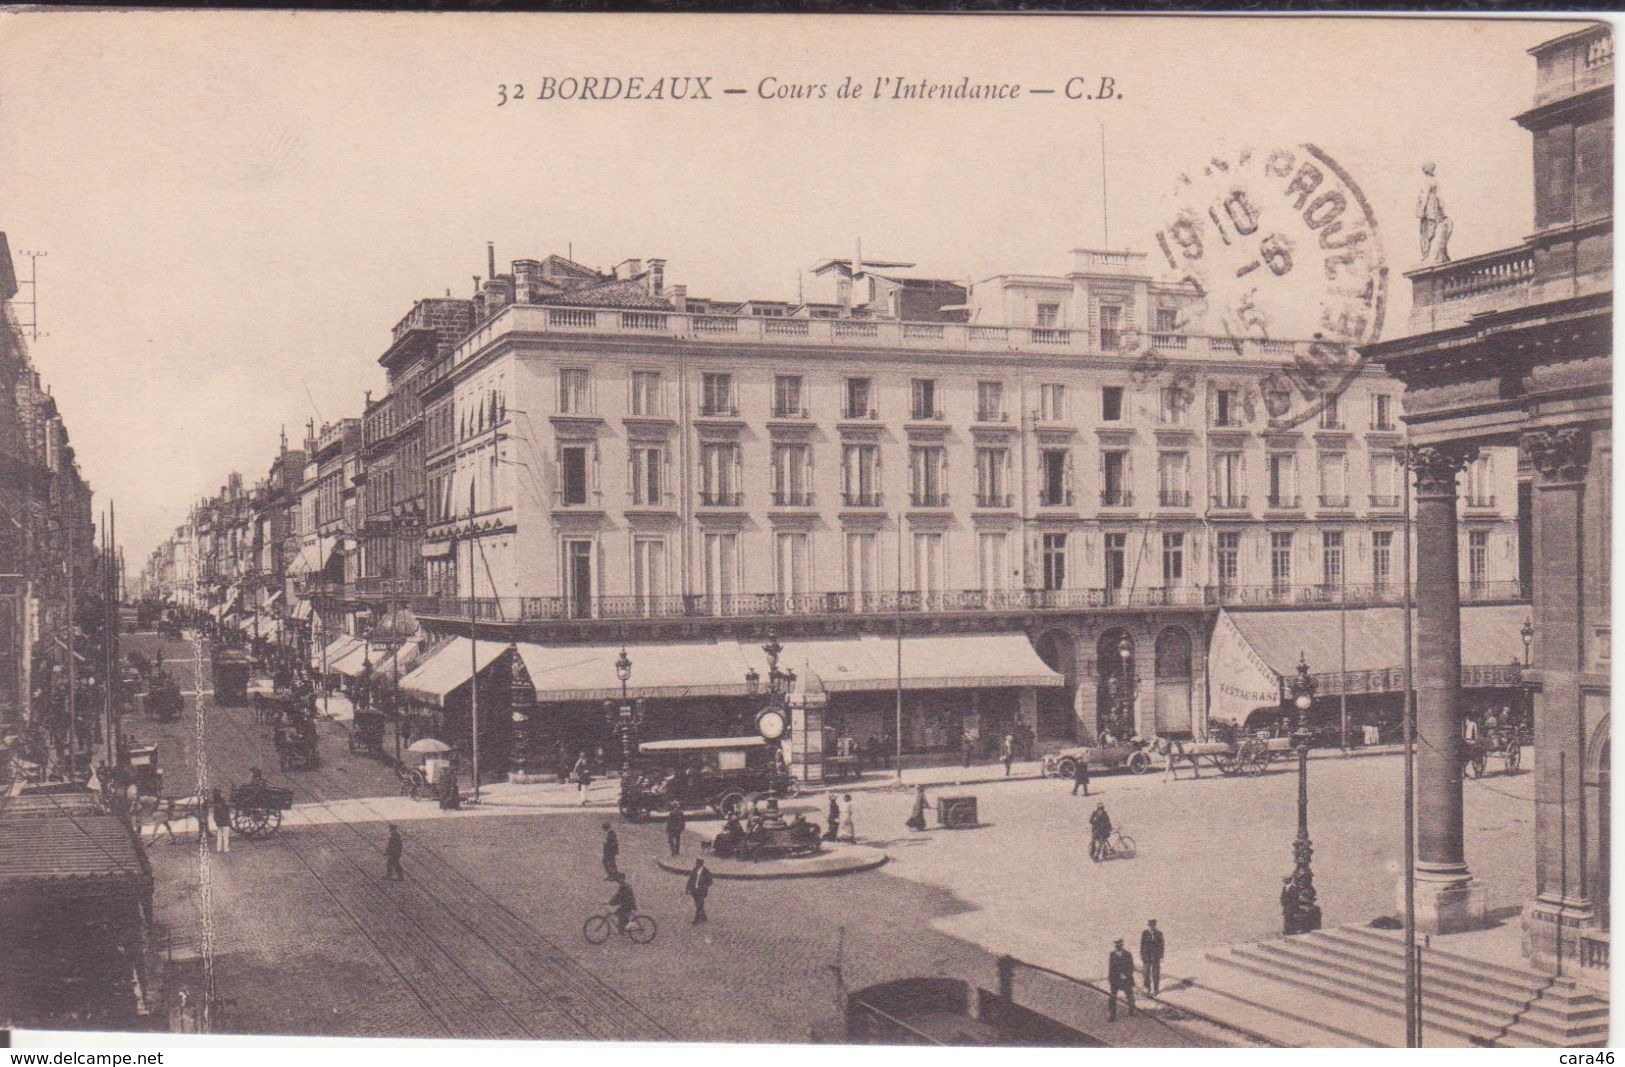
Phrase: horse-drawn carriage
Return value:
(367, 733)
(256, 808)
(163, 697)
(1501, 743)
(1240, 755)
(296, 745)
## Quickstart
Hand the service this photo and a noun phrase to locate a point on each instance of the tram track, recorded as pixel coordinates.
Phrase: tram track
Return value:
(518, 983)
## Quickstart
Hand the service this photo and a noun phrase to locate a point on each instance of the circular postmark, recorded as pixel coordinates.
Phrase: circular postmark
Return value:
(1281, 251)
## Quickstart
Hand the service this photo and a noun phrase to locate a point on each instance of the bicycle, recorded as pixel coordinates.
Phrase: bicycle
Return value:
(640, 928)
(1118, 846)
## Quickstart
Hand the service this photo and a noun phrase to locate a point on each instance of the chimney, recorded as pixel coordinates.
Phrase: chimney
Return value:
(628, 269)
(657, 276)
(490, 259)
(679, 297)
(527, 277)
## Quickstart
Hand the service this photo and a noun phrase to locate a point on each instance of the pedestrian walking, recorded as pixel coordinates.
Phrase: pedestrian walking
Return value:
(583, 777)
(967, 745)
(1169, 758)
(916, 821)
(699, 885)
(1120, 977)
(612, 850)
(392, 856)
(849, 831)
(833, 830)
(1151, 952)
(1080, 776)
(1007, 752)
(1100, 831)
(222, 821)
(676, 823)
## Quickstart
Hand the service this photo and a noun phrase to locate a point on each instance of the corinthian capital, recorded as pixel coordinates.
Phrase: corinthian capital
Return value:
(1559, 455)
(1436, 466)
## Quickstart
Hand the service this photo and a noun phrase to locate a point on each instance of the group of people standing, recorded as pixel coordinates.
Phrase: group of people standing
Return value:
(842, 826)
(1120, 968)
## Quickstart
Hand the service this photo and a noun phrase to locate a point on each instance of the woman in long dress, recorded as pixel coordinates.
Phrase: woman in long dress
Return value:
(916, 821)
(833, 831)
(848, 832)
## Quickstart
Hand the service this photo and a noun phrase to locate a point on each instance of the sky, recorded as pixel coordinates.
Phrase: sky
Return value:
(236, 207)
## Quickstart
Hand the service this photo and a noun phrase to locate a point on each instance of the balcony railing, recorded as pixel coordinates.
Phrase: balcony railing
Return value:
(992, 500)
(798, 499)
(1055, 500)
(790, 412)
(1230, 501)
(376, 586)
(1384, 501)
(1332, 500)
(850, 412)
(990, 415)
(928, 500)
(920, 414)
(719, 409)
(1481, 501)
(861, 500)
(1282, 503)
(721, 500)
(1116, 498)
(1173, 498)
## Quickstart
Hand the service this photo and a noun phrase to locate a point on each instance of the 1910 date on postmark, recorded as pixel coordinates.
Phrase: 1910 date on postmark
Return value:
(1281, 248)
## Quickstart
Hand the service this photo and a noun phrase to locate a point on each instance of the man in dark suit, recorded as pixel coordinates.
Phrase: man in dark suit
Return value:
(1080, 776)
(1120, 977)
(612, 849)
(699, 884)
(1151, 950)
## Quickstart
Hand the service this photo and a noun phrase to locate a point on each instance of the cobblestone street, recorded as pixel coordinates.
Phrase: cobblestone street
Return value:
(483, 939)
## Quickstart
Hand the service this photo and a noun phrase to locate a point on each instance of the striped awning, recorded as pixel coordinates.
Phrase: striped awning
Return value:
(947, 661)
(659, 671)
(325, 657)
(449, 668)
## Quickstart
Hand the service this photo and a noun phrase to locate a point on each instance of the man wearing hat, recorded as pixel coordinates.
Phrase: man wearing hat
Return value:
(1151, 950)
(612, 850)
(1120, 977)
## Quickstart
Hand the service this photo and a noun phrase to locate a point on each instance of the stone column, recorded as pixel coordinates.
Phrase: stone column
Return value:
(1443, 882)
(1563, 901)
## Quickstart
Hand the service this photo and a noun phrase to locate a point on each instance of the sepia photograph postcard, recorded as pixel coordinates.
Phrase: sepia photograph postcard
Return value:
(941, 530)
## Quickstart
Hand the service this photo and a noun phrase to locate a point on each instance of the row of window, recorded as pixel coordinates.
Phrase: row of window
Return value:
(996, 569)
(721, 468)
(718, 397)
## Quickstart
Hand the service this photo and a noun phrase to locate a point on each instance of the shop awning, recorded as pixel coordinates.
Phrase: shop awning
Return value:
(659, 672)
(69, 854)
(1366, 645)
(351, 662)
(335, 650)
(950, 661)
(219, 611)
(231, 620)
(404, 659)
(435, 549)
(269, 599)
(448, 669)
(302, 609)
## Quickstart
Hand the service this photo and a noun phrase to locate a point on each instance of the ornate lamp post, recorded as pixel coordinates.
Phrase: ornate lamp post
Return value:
(624, 720)
(1300, 913)
(1528, 635)
(773, 719)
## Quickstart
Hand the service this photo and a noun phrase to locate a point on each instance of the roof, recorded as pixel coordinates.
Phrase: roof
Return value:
(71, 849)
(611, 294)
(704, 743)
(1489, 637)
(844, 263)
(40, 805)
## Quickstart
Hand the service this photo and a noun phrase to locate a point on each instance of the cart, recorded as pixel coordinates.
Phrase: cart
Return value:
(141, 762)
(296, 746)
(256, 810)
(367, 734)
(1504, 745)
(1247, 755)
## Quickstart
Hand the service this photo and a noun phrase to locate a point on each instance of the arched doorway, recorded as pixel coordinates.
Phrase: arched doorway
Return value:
(1173, 690)
(1114, 684)
(1056, 718)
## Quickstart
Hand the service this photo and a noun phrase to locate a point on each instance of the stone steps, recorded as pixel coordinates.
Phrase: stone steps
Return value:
(1346, 986)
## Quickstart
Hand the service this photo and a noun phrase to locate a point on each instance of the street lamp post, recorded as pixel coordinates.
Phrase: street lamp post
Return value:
(1528, 635)
(1300, 913)
(1125, 690)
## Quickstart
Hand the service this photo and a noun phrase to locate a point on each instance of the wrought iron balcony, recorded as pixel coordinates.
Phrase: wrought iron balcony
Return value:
(928, 500)
(796, 499)
(1116, 498)
(721, 499)
(1173, 498)
(861, 500)
(1062, 499)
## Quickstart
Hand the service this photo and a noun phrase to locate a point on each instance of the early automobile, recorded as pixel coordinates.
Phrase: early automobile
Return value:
(704, 772)
(1132, 756)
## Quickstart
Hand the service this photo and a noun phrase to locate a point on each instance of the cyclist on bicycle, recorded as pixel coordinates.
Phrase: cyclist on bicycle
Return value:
(1100, 830)
(624, 902)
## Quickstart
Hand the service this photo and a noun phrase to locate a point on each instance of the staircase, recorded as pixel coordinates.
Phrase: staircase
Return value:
(1345, 987)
